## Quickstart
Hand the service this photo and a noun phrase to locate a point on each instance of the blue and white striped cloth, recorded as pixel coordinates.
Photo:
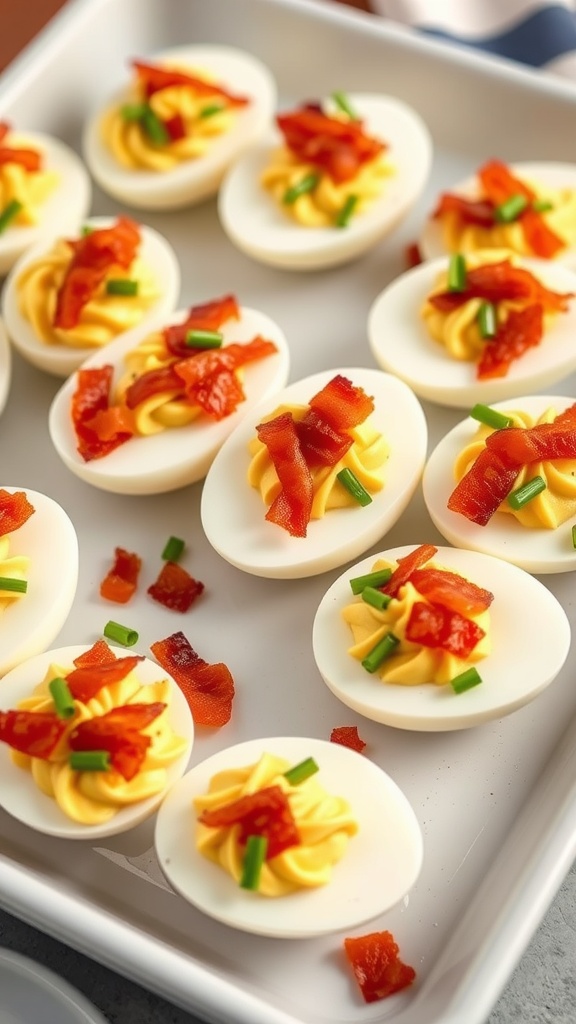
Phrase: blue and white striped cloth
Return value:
(541, 33)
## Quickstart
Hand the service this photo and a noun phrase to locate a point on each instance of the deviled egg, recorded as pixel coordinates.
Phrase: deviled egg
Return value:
(56, 324)
(166, 140)
(292, 212)
(379, 865)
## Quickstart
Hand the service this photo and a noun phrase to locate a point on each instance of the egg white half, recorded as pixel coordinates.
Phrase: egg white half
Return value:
(5, 366)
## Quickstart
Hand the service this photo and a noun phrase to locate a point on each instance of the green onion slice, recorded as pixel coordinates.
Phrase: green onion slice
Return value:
(120, 634)
(154, 128)
(134, 111)
(203, 339)
(301, 771)
(63, 699)
(173, 549)
(344, 215)
(11, 210)
(542, 205)
(121, 286)
(466, 680)
(306, 184)
(487, 322)
(352, 484)
(254, 857)
(574, 536)
(511, 209)
(343, 103)
(13, 585)
(375, 598)
(383, 649)
(522, 495)
(211, 110)
(371, 579)
(456, 272)
(89, 760)
(490, 417)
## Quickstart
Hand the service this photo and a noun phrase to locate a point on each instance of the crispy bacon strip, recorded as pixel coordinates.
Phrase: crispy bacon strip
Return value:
(340, 148)
(93, 255)
(153, 78)
(15, 510)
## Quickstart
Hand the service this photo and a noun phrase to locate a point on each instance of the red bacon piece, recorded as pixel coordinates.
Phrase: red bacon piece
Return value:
(468, 211)
(208, 316)
(92, 397)
(209, 376)
(347, 736)
(36, 733)
(153, 382)
(208, 689)
(176, 127)
(499, 184)
(376, 965)
(15, 510)
(121, 580)
(175, 588)
(496, 282)
(440, 586)
(118, 732)
(340, 148)
(292, 507)
(435, 626)
(263, 813)
(321, 445)
(406, 566)
(85, 682)
(522, 330)
(99, 654)
(93, 255)
(153, 78)
(30, 159)
(482, 489)
(413, 255)
(518, 446)
(342, 404)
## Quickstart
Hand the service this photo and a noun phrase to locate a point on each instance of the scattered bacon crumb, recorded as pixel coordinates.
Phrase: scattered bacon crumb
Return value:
(347, 736)
(15, 509)
(377, 966)
(208, 689)
(413, 255)
(120, 582)
(99, 654)
(175, 588)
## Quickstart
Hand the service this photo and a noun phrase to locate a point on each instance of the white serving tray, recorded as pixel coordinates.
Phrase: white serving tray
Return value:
(497, 804)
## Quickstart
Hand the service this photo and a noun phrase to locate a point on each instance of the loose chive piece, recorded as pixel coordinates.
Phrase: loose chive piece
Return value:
(173, 549)
(8, 213)
(121, 286)
(254, 857)
(343, 216)
(574, 536)
(63, 699)
(13, 585)
(380, 652)
(134, 111)
(456, 272)
(89, 760)
(542, 205)
(490, 417)
(301, 771)
(154, 127)
(120, 634)
(86, 230)
(203, 339)
(487, 324)
(306, 184)
(353, 486)
(466, 680)
(371, 579)
(375, 598)
(341, 100)
(522, 495)
(211, 110)
(511, 209)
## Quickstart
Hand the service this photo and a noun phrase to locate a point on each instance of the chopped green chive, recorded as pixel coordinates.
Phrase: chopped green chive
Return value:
(254, 857)
(490, 417)
(343, 103)
(344, 215)
(542, 205)
(353, 486)
(120, 634)
(8, 213)
(466, 680)
(134, 111)
(522, 495)
(154, 128)
(371, 579)
(302, 771)
(89, 760)
(375, 598)
(13, 585)
(203, 339)
(306, 184)
(511, 209)
(173, 549)
(121, 286)
(211, 110)
(86, 230)
(487, 324)
(383, 649)
(574, 536)
(456, 272)
(63, 699)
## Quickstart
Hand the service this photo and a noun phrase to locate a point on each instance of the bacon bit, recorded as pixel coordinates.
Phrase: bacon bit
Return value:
(30, 159)
(176, 127)
(321, 445)
(85, 682)
(435, 626)
(523, 329)
(501, 281)
(93, 256)
(440, 586)
(340, 148)
(162, 379)
(15, 510)
(412, 255)
(92, 396)
(36, 733)
(208, 689)
(342, 404)
(121, 580)
(482, 489)
(406, 566)
(208, 316)
(210, 379)
(118, 732)
(545, 441)
(347, 736)
(376, 965)
(469, 211)
(175, 588)
(263, 813)
(153, 78)
(99, 654)
(4, 129)
(292, 507)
